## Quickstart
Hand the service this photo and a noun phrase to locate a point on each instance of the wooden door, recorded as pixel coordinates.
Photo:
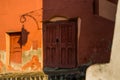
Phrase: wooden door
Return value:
(15, 48)
(60, 40)
(67, 45)
(50, 45)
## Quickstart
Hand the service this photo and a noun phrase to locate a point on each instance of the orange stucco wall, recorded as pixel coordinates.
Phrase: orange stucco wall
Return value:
(11, 11)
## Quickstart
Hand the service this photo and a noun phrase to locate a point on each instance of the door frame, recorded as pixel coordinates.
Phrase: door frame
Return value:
(8, 46)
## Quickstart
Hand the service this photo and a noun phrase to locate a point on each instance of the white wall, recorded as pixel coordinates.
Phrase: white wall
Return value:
(109, 71)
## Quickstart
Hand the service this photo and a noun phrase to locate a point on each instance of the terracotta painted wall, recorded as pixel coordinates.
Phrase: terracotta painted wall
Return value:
(10, 13)
(94, 30)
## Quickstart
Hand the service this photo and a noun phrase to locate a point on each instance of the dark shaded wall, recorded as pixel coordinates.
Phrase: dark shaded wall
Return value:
(114, 1)
(95, 34)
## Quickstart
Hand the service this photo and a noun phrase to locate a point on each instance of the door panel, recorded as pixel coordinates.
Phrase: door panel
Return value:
(15, 48)
(68, 44)
(51, 50)
(59, 41)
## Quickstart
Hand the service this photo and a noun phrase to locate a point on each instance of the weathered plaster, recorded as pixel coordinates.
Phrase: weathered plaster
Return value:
(2, 61)
(11, 14)
(27, 55)
(2, 56)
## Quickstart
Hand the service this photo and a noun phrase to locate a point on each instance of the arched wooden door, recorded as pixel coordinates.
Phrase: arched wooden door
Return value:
(60, 44)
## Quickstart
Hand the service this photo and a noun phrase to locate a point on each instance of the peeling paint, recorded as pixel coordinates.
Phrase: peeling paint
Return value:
(33, 64)
(27, 55)
(31, 61)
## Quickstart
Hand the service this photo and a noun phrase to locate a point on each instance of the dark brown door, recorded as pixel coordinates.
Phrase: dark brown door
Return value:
(15, 48)
(60, 40)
